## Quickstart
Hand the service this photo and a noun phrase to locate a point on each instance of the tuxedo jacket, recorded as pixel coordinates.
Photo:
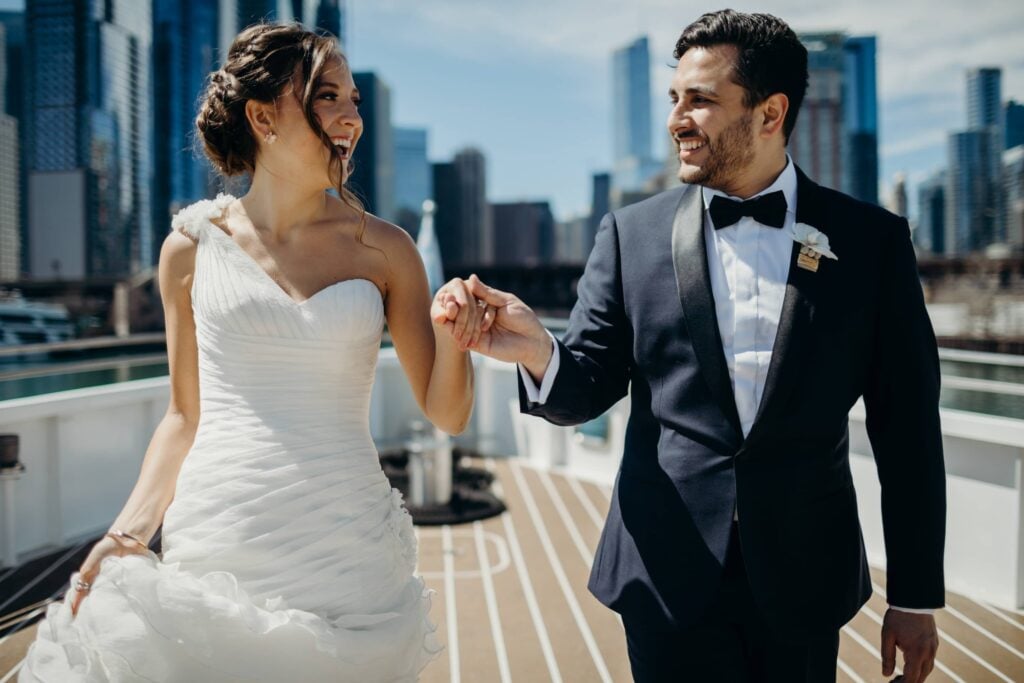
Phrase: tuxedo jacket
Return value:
(645, 318)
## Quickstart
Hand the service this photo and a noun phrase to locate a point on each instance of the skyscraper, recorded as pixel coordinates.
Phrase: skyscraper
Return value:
(89, 137)
(184, 53)
(985, 113)
(860, 118)
(898, 198)
(10, 186)
(413, 178)
(374, 177)
(1013, 192)
(984, 97)
(971, 219)
(930, 235)
(818, 143)
(524, 233)
(477, 227)
(14, 97)
(1013, 120)
(328, 15)
(600, 204)
(235, 15)
(631, 115)
(836, 136)
(463, 219)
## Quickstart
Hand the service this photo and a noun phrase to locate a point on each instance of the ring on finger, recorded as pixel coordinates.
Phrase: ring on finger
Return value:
(82, 586)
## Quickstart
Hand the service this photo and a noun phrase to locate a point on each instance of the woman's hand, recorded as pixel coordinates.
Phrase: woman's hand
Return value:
(460, 313)
(108, 546)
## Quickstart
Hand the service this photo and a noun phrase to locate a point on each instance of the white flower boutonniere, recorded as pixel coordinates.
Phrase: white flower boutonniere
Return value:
(815, 245)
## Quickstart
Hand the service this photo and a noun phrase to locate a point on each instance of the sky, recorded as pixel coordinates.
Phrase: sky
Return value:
(528, 82)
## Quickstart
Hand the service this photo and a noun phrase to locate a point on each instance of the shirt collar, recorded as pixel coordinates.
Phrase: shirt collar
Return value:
(785, 182)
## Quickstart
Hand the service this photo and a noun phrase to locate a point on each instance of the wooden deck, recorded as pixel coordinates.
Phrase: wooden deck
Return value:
(512, 604)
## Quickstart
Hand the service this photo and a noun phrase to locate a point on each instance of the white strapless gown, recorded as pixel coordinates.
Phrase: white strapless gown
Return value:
(287, 554)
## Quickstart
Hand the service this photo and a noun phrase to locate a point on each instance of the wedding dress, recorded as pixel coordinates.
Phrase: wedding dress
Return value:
(287, 556)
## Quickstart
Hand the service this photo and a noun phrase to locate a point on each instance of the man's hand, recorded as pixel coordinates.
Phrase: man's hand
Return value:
(511, 331)
(916, 636)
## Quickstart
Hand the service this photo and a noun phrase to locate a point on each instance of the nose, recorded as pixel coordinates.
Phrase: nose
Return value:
(678, 118)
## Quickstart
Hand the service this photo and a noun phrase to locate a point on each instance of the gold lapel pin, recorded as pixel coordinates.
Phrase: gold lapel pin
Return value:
(808, 259)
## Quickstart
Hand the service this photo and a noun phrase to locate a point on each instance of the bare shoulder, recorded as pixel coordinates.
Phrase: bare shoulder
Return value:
(396, 244)
(390, 238)
(178, 255)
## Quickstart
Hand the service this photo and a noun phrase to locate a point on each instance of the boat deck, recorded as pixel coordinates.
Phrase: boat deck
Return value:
(511, 602)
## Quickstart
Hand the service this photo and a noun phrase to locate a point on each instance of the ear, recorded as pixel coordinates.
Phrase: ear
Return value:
(261, 118)
(773, 115)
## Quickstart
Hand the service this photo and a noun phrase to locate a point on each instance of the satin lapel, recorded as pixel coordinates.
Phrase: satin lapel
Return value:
(802, 290)
(690, 258)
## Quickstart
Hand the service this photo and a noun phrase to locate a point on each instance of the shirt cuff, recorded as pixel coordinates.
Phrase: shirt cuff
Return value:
(914, 610)
(537, 394)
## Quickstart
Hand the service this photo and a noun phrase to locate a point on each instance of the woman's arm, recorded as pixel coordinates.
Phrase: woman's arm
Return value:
(440, 371)
(144, 511)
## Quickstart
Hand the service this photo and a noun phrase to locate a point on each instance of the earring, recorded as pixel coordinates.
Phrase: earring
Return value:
(270, 137)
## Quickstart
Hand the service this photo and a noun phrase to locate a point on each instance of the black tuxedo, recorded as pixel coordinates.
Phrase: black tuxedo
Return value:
(857, 327)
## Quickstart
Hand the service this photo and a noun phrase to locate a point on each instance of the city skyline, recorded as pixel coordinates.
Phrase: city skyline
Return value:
(558, 54)
(537, 95)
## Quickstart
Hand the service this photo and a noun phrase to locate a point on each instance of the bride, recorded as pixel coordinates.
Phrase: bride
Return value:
(287, 556)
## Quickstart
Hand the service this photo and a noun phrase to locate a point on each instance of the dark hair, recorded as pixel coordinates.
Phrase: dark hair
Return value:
(771, 59)
(262, 60)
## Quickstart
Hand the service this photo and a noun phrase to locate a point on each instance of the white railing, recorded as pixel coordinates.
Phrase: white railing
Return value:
(82, 450)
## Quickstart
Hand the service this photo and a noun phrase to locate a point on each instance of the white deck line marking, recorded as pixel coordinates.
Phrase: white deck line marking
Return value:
(970, 622)
(863, 642)
(8, 676)
(570, 525)
(873, 615)
(845, 668)
(449, 600)
(563, 581)
(42, 575)
(492, 604)
(524, 580)
(995, 611)
(585, 501)
(984, 631)
(31, 615)
(500, 547)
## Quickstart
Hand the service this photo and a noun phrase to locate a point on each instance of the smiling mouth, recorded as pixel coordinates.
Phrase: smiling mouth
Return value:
(344, 147)
(688, 142)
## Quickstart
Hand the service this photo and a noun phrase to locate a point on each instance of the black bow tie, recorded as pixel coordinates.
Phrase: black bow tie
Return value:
(768, 209)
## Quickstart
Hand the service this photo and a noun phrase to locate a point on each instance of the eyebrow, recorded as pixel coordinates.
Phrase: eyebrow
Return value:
(701, 90)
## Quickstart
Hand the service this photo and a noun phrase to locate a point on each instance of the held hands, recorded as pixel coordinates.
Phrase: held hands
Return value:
(458, 311)
(916, 636)
(108, 546)
(510, 331)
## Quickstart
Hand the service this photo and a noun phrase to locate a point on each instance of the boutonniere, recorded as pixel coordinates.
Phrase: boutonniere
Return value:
(815, 245)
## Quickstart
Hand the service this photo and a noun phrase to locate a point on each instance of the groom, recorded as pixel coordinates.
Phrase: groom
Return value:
(732, 548)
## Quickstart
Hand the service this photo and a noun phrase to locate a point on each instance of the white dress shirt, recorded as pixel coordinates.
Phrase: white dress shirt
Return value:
(748, 264)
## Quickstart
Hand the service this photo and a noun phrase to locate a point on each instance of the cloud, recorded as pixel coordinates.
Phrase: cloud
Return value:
(922, 45)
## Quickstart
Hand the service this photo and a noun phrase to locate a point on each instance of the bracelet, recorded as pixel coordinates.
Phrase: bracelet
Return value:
(117, 533)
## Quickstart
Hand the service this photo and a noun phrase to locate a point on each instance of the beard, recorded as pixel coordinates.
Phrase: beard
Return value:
(727, 156)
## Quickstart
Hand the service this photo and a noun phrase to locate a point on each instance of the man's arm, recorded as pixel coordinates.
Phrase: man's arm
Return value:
(590, 370)
(902, 404)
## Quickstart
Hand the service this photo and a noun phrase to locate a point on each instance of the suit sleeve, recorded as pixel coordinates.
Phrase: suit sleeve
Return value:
(902, 403)
(595, 358)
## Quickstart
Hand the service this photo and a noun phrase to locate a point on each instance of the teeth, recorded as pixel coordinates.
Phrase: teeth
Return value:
(691, 145)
